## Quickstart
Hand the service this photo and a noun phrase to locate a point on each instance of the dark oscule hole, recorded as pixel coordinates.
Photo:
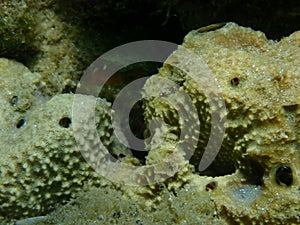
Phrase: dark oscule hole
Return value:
(284, 176)
(235, 81)
(65, 122)
(20, 123)
(211, 186)
(14, 100)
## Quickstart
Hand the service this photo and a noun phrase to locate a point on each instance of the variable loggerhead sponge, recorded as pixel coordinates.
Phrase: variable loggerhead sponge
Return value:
(258, 164)
(40, 164)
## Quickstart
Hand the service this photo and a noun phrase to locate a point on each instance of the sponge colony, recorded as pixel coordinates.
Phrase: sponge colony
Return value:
(259, 82)
(40, 164)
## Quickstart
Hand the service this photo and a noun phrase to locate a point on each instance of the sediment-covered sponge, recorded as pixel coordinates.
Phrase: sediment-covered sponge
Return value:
(40, 164)
(259, 82)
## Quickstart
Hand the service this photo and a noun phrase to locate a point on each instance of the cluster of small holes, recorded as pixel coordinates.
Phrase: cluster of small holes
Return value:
(117, 214)
(284, 176)
(65, 122)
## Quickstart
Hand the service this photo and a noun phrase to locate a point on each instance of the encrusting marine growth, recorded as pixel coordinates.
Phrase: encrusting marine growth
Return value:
(253, 180)
(40, 164)
(257, 167)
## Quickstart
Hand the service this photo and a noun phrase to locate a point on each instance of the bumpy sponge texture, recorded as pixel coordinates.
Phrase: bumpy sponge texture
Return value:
(259, 82)
(40, 164)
